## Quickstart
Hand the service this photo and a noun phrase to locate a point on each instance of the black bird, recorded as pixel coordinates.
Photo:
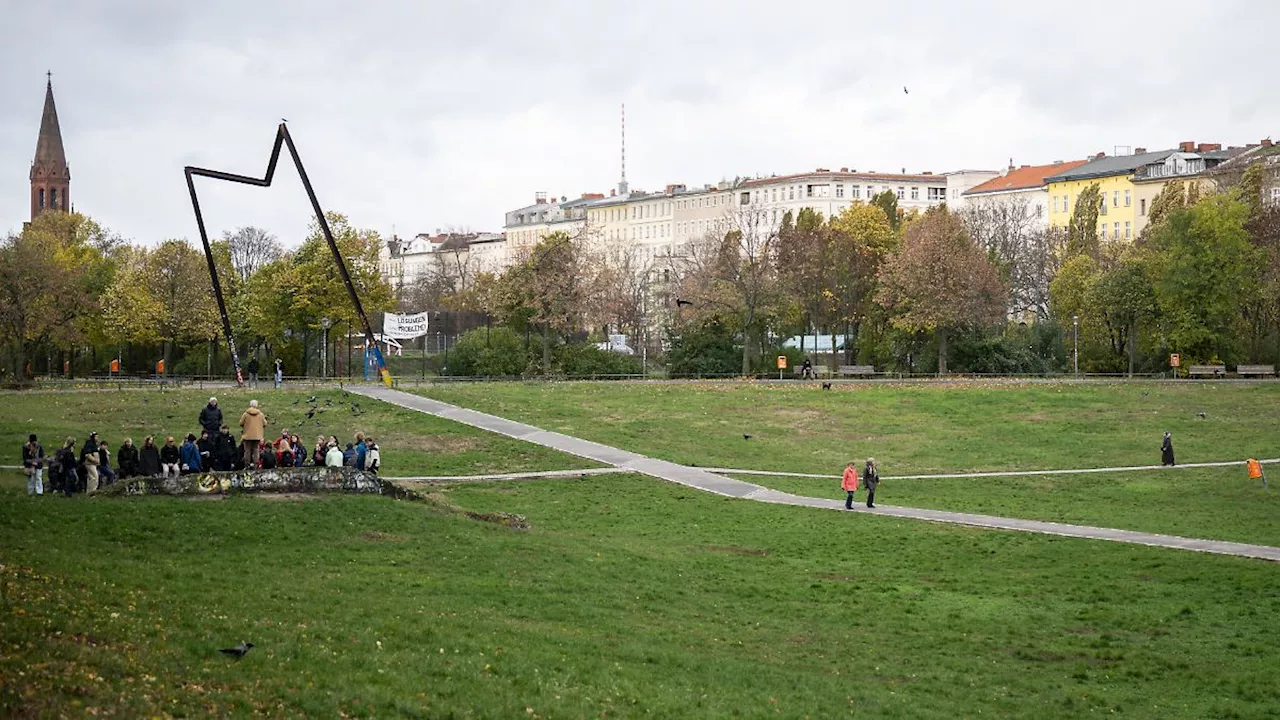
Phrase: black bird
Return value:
(746, 436)
(297, 400)
(904, 90)
(826, 386)
(1201, 415)
(683, 303)
(311, 400)
(311, 413)
(238, 651)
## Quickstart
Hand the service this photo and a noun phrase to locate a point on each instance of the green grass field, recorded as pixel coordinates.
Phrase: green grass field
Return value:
(630, 597)
(411, 443)
(949, 428)
(627, 598)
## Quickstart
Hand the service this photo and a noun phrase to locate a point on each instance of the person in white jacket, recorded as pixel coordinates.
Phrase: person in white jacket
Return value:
(373, 457)
(333, 458)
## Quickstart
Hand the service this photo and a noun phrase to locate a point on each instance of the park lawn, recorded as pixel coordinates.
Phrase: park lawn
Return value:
(1216, 503)
(628, 597)
(910, 428)
(948, 428)
(411, 443)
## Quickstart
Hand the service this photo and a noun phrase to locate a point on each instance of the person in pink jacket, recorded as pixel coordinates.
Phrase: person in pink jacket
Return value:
(850, 483)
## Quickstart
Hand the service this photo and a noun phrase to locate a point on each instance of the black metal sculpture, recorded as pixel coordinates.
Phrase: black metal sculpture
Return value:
(282, 137)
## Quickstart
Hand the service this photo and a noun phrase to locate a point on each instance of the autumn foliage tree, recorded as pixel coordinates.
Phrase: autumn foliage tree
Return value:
(939, 280)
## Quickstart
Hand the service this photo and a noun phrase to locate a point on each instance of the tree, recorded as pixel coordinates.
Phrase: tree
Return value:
(732, 274)
(176, 277)
(860, 238)
(887, 201)
(1024, 251)
(1082, 232)
(51, 277)
(251, 248)
(1204, 273)
(804, 264)
(940, 280)
(130, 312)
(545, 288)
(1124, 296)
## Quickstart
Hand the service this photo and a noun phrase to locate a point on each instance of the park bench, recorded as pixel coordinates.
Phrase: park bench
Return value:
(818, 370)
(1243, 370)
(1211, 370)
(847, 370)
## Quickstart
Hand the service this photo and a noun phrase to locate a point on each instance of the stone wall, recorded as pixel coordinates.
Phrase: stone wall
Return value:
(280, 480)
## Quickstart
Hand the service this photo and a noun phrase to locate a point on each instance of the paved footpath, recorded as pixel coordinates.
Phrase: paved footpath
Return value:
(711, 482)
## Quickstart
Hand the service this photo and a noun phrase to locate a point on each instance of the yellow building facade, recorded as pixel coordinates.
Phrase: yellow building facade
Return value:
(1118, 211)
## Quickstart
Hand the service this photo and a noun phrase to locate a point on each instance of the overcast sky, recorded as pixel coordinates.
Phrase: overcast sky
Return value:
(421, 115)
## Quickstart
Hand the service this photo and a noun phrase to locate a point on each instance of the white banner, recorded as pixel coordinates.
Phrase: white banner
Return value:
(404, 327)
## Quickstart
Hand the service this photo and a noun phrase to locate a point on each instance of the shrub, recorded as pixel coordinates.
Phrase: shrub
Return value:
(709, 349)
(495, 351)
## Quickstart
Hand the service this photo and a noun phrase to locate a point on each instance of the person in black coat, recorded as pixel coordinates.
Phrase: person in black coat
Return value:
(127, 459)
(205, 446)
(149, 458)
(224, 450)
(211, 417)
(253, 371)
(1166, 450)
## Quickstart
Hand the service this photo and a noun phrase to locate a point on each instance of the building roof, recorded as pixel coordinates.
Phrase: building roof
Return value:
(1027, 177)
(49, 151)
(1110, 165)
(843, 175)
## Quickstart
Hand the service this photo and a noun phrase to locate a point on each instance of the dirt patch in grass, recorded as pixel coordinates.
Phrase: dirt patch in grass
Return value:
(376, 536)
(295, 497)
(836, 578)
(434, 443)
(736, 550)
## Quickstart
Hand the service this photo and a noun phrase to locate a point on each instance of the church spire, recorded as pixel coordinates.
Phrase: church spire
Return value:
(50, 176)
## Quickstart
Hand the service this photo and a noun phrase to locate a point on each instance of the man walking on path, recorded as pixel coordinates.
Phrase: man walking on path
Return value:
(211, 417)
(254, 424)
(849, 482)
(872, 477)
(1166, 450)
(253, 372)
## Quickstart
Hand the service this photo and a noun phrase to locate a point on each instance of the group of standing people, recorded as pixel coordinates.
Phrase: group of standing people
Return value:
(849, 482)
(216, 449)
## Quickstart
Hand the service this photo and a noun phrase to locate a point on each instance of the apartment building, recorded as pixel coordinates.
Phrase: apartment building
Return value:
(829, 192)
(1023, 186)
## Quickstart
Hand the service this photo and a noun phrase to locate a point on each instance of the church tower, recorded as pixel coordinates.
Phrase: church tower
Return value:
(50, 176)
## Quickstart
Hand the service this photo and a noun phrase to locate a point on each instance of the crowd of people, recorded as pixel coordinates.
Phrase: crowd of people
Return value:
(70, 471)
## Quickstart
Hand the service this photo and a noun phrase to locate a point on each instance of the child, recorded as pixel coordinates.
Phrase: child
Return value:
(850, 483)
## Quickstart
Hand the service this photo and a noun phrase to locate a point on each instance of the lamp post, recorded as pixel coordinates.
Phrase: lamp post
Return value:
(1075, 342)
(324, 353)
(438, 346)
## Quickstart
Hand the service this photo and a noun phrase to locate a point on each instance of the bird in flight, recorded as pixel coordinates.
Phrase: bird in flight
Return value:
(904, 90)
(683, 303)
(238, 651)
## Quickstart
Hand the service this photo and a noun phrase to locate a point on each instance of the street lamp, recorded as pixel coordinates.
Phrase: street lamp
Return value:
(324, 353)
(1075, 341)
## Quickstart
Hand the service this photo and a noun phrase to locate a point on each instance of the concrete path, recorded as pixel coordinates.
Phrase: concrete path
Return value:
(701, 479)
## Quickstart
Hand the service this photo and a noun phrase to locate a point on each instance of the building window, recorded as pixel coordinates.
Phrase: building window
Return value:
(1115, 198)
(839, 190)
(935, 193)
(1039, 210)
(746, 199)
(1104, 231)
(1102, 206)
(855, 191)
(1128, 231)
(41, 198)
(1066, 203)
(871, 191)
(775, 196)
(1055, 203)
(1116, 233)
(955, 193)
(902, 193)
(1142, 207)
(1128, 199)
(915, 193)
(791, 193)
(53, 198)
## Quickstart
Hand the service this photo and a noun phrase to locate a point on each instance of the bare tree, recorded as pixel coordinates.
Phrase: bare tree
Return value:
(251, 248)
(732, 272)
(1023, 248)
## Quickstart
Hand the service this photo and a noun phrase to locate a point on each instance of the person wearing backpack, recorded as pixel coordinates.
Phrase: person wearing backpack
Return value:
(849, 482)
(33, 465)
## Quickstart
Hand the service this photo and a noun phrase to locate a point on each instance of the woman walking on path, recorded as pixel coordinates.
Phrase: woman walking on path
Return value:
(1166, 450)
(872, 477)
(850, 483)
